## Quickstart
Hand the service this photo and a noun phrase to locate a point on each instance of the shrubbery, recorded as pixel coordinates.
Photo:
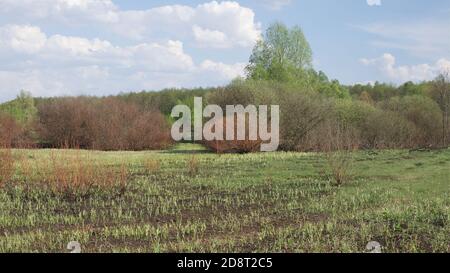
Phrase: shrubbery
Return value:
(409, 121)
(234, 146)
(421, 111)
(280, 72)
(103, 124)
(118, 123)
(12, 133)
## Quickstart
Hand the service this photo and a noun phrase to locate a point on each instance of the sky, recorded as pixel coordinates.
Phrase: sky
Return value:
(102, 47)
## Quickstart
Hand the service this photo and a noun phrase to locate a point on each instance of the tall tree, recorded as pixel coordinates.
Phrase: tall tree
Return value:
(441, 93)
(282, 53)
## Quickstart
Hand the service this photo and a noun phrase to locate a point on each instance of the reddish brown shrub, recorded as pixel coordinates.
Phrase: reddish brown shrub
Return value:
(149, 131)
(103, 124)
(234, 146)
(10, 131)
(66, 122)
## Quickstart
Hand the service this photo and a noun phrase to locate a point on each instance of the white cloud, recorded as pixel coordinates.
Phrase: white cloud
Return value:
(225, 71)
(374, 2)
(210, 38)
(63, 50)
(206, 23)
(75, 46)
(388, 66)
(63, 10)
(25, 39)
(57, 64)
(237, 23)
(56, 47)
(58, 8)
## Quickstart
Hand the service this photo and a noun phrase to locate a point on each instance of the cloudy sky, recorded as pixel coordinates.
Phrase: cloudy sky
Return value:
(99, 47)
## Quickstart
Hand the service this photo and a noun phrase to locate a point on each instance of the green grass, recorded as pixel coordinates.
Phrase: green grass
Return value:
(267, 202)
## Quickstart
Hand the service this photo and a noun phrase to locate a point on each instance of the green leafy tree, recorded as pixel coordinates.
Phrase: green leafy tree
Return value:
(282, 54)
(22, 109)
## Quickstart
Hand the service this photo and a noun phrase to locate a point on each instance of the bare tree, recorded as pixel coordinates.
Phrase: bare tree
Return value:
(441, 93)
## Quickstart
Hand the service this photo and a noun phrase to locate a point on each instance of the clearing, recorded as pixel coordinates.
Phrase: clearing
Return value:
(189, 200)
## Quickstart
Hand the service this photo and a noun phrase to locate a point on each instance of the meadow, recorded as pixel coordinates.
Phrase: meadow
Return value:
(189, 200)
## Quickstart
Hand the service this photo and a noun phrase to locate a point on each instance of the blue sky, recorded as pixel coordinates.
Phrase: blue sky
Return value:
(100, 47)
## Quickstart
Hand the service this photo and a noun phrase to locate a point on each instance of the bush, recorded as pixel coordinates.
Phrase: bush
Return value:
(66, 122)
(421, 111)
(13, 134)
(353, 113)
(340, 143)
(386, 129)
(148, 131)
(9, 130)
(103, 124)
(236, 93)
(234, 146)
(301, 113)
(397, 123)
(375, 128)
(241, 93)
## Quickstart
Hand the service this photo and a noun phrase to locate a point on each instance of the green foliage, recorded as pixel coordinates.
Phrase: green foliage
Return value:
(282, 55)
(382, 91)
(410, 89)
(384, 115)
(387, 129)
(333, 89)
(422, 111)
(22, 109)
(164, 100)
(353, 113)
(440, 91)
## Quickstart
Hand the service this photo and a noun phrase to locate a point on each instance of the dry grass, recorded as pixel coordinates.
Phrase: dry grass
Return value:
(7, 166)
(193, 166)
(73, 175)
(341, 143)
(152, 165)
(340, 164)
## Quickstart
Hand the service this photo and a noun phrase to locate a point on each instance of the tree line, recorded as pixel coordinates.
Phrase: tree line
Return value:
(313, 108)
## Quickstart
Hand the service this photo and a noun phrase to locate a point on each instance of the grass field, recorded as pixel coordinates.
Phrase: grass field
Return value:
(188, 200)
